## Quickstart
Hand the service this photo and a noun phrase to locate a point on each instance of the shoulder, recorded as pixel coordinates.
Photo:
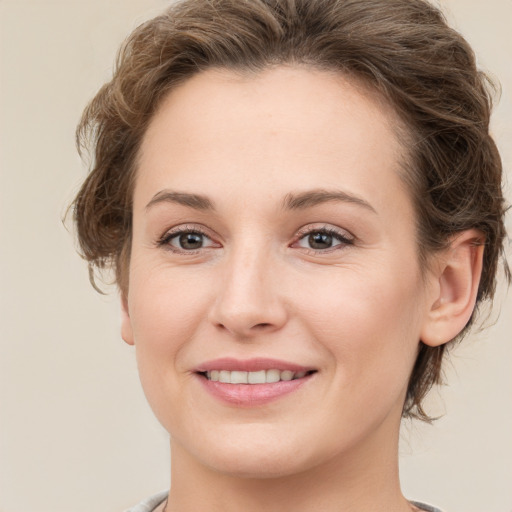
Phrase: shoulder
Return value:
(149, 504)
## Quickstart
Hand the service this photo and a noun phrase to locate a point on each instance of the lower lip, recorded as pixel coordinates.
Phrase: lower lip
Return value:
(251, 395)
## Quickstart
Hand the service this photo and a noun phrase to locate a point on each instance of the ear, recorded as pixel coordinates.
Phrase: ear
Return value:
(126, 323)
(456, 277)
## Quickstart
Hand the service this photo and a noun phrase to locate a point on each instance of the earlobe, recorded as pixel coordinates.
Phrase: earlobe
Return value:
(126, 323)
(456, 287)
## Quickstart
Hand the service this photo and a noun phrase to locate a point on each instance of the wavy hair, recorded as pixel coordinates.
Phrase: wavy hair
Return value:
(402, 49)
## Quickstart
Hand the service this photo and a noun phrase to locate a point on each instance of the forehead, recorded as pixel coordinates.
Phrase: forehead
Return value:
(287, 126)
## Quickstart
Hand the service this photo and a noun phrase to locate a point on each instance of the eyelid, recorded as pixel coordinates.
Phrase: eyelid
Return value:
(326, 228)
(169, 234)
(344, 236)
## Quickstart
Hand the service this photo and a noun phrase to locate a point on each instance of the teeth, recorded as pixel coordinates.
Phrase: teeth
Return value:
(257, 377)
(225, 376)
(238, 377)
(273, 375)
(260, 377)
(286, 375)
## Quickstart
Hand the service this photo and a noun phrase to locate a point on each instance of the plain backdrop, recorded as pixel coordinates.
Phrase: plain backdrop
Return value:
(75, 432)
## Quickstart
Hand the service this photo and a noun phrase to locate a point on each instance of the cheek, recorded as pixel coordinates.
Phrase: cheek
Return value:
(166, 312)
(165, 306)
(370, 325)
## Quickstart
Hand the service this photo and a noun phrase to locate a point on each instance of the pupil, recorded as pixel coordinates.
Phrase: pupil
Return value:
(320, 240)
(191, 241)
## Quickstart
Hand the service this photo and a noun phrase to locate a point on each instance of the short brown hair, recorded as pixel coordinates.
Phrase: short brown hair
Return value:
(403, 49)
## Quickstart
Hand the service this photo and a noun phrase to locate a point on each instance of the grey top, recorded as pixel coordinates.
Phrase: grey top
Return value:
(149, 504)
(425, 507)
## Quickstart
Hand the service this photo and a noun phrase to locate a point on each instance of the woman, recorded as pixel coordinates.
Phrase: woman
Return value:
(302, 205)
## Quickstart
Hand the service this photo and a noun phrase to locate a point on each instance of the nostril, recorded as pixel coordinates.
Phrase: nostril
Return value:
(262, 326)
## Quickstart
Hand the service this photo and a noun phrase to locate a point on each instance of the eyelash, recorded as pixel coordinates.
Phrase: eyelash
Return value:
(165, 240)
(344, 240)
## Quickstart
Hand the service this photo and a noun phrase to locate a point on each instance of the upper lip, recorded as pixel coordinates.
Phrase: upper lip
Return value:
(250, 365)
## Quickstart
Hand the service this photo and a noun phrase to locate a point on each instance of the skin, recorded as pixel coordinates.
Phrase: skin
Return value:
(355, 311)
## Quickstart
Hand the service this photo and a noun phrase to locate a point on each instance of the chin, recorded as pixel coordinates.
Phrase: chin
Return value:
(257, 466)
(255, 455)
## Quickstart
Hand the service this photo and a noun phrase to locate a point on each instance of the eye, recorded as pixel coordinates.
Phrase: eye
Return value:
(323, 239)
(186, 240)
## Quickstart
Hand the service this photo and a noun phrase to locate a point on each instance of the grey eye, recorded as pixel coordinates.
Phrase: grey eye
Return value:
(189, 241)
(320, 240)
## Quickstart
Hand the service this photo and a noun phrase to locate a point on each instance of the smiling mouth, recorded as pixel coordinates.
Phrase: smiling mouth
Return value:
(259, 377)
(253, 382)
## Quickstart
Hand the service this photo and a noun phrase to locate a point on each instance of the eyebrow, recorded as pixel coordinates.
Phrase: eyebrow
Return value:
(319, 196)
(291, 201)
(195, 201)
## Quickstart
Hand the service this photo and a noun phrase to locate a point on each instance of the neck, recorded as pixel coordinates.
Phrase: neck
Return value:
(363, 479)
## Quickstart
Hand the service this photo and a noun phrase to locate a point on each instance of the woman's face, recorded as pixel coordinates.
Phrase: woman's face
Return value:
(271, 231)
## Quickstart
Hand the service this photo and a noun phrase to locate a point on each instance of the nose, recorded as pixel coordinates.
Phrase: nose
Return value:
(250, 299)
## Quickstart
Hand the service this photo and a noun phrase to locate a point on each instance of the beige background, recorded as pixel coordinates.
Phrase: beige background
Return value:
(75, 432)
